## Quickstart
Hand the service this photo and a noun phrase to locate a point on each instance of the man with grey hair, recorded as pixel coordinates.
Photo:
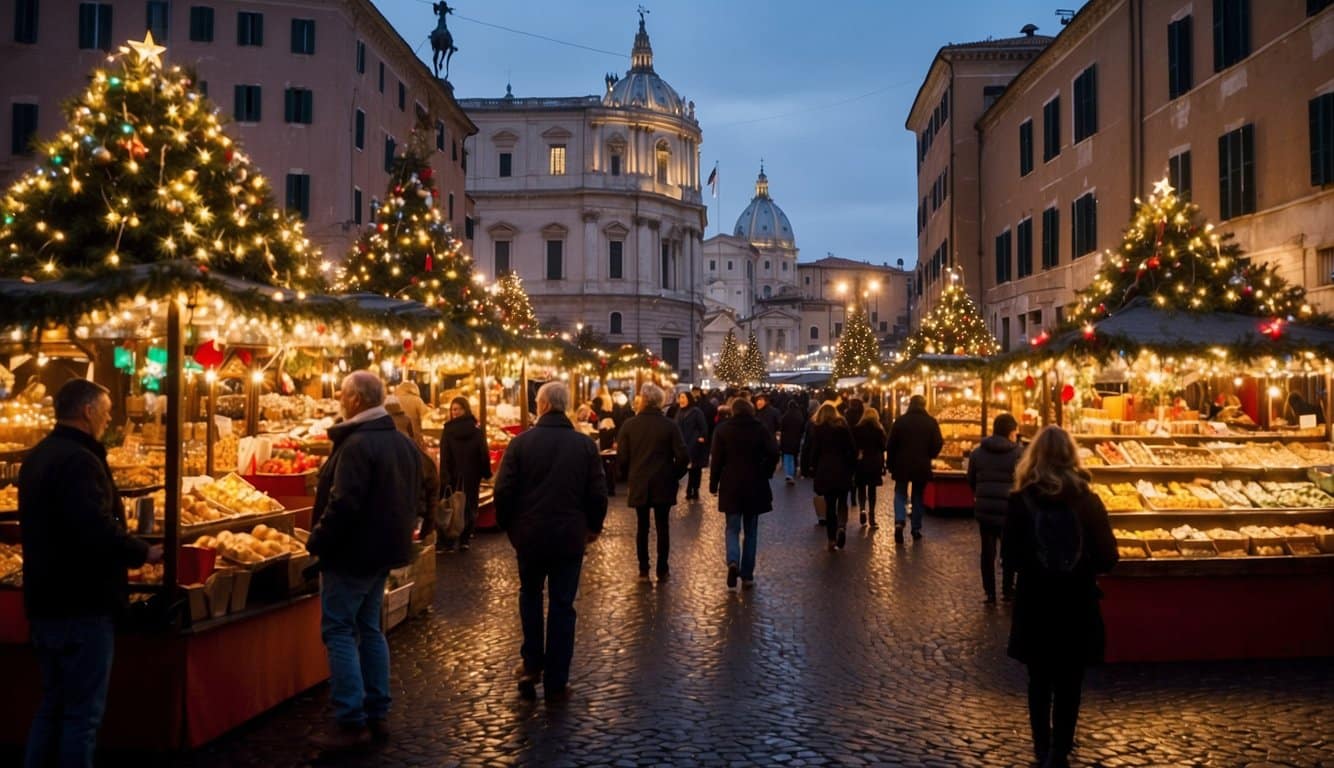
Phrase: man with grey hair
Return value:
(365, 513)
(551, 499)
(652, 456)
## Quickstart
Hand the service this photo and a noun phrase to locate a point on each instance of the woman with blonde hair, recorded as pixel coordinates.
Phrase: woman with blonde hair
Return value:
(830, 457)
(871, 444)
(1057, 539)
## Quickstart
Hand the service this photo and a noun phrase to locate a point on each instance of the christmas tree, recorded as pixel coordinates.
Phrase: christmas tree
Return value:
(729, 365)
(410, 251)
(752, 365)
(144, 173)
(1170, 256)
(858, 349)
(953, 327)
(511, 302)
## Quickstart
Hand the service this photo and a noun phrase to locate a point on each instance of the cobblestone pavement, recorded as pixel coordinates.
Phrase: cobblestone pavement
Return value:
(878, 655)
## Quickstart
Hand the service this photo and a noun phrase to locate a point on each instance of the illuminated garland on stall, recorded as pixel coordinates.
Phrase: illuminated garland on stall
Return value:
(953, 327)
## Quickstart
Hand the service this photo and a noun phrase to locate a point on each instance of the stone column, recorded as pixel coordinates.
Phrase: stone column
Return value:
(591, 251)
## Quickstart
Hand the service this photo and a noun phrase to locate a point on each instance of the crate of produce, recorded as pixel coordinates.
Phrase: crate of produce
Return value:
(1193, 542)
(1175, 496)
(1298, 541)
(1229, 543)
(1129, 546)
(1265, 542)
(1324, 536)
(1178, 456)
(395, 608)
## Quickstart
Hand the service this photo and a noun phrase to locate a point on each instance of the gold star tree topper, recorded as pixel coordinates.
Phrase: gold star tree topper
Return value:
(148, 51)
(1162, 188)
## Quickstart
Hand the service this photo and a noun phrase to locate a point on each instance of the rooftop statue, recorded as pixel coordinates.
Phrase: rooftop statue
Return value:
(442, 42)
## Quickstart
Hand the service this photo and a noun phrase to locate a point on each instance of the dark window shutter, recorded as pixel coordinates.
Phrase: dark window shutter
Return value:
(103, 26)
(87, 24)
(1248, 168)
(1219, 27)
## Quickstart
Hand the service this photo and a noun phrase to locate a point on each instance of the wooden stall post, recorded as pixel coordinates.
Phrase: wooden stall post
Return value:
(174, 392)
(1059, 405)
(210, 410)
(481, 393)
(1046, 400)
(523, 395)
(985, 384)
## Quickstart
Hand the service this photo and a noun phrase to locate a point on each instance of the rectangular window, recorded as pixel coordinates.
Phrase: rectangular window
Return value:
(451, 206)
(671, 352)
(247, 104)
(303, 36)
(1236, 172)
(468, 224)
(249, 28)
(1051, 129)
(1025, 147)
(25, 21)
(838, 330)
(157, 19)
(454, 154)
(506, 164)
(1324, 262)
(502, 250)
(1004, 264)
(382, 77)
(616, 260)
(1178, 173)
(299, 106)
(1180, 48)
(440, 135)
(557, 160)
(615, 165)
(1232, 32)
(356, 206)
(989, 95)
(360, 132)
(666, 263)
(402, 97)
(201, 24)
(1321, 113)
(1084, 227)
(24, 125)
(1051, 237)
(555, 259)
(390, 146)
(203, 88)
(713, 265)
(95, 26)
(1024, 248)
(361, 58)
(298, 194)
(1086, 103)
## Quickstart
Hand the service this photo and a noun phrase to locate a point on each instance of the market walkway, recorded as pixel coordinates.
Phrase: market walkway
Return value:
(879, 655)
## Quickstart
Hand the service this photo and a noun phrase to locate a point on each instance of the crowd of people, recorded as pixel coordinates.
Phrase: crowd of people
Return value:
(379, 488)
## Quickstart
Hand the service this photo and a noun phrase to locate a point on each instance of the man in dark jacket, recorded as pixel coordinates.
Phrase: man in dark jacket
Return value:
(551, 500)
(362, 523)
(991, 476)
(744, 457)
(76, 552)
(914, 440)
(790, 431)
(768, 415)
(651, 454)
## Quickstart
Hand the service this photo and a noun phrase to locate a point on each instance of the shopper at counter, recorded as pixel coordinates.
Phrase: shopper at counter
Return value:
(76, 553)
(464, 464)
(362, 523)
(914, 440)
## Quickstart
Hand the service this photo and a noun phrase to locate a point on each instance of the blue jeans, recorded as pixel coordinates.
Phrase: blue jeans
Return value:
(901, 503)
(75, 660)
(790, 464)
(552, 657)
(358, 652)
(737, 552)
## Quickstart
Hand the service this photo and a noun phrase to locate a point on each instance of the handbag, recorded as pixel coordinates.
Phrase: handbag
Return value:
(450, 516)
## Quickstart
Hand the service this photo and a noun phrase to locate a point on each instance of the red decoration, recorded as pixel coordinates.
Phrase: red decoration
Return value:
(428, 261)
(1089, 332)
(244, 356)
(1067, 393)
(209, 354)
(320, 328)
(407, 344)
(1154, 262)
(1162, 227)
(229, 156)
(134, 147)
(1040, 339)
(1273, 329)
(1029, 382)
(1102, 309)
(426, 174)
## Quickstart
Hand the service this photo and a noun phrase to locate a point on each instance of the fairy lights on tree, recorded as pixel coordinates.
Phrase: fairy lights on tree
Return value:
(729, 367)
(857, 349)
(752, 364)
(953, 327)
(514, 307)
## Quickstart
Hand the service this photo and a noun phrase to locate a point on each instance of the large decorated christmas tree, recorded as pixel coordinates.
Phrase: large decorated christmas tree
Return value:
(730, 360)
(144, 172)
(1172, 257)
(953, 327)
(857, 349)
(752, 364)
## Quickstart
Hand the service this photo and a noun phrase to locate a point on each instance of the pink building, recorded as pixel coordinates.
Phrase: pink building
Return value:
(320, 94)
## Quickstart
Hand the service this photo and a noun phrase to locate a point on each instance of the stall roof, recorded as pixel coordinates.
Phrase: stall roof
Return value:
(800, 378)
(939, 362)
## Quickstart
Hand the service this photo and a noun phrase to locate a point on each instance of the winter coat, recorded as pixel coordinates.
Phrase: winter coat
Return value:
(745, 455)
(1057, 618)
(651, 455)
(367, 499)
(870, 439)
(464, 459)
(771, 418)
(991, 476)
(695, 433)
(830, 457)
(409, 397)
(914, 440)
(430, 492)
(790, 431)
(75, 546)
(550, 490)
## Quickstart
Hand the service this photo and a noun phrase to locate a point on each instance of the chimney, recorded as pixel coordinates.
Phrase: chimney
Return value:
(1029, 29)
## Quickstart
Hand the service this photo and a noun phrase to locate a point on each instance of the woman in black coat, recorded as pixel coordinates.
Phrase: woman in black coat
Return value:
(790, 430)
(695, 431)
(830, 457)
(464, 463)
(871, 444)
(1058, 539)
(744, 456)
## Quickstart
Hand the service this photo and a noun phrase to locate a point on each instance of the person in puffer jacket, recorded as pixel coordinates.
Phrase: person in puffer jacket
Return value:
(991, 476)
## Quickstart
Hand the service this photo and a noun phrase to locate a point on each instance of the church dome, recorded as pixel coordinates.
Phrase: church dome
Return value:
(641, 87)
(763, 222)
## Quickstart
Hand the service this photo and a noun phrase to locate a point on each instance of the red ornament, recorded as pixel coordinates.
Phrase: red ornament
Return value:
(1102, 309)
(244, 356)
(407, 344)
(1040, 339)
(209, 354)
(1162, 227)
(134, 147)
(1273, 329)
(428, 261)
(1029, 382)
(1154, 262)
(1089, 332)
(426, 174)
(1067, 393)
(229, 156)
(320, 328)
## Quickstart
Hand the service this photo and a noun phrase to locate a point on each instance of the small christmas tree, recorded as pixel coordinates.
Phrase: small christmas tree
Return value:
(513, 306)
(1172, 257)
(729, 366)
(858, 349)
(752, 366)
(144, 173)
(952, 327)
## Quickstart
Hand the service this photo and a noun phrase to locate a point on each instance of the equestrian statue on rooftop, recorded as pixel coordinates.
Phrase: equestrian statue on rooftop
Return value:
(442, 42)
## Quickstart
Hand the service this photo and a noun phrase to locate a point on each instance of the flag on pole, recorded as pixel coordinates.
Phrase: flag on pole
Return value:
(713, 180)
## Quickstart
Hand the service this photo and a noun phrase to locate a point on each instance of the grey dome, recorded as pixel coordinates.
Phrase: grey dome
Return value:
(763, 221)
(641, 87)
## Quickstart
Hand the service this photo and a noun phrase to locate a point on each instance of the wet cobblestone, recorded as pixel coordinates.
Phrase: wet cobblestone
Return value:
(882, 654)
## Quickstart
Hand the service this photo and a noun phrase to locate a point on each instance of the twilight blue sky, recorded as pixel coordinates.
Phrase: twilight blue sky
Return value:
(820, 92)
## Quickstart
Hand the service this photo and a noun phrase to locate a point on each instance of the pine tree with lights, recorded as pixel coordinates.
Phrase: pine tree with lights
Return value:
(752, 365)
(730, 361)
(1172, 257)
(858, 349)
(953, 327)
(142, 173)
(513, 306)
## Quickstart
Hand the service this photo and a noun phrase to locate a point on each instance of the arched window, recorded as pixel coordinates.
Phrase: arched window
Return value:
(815, 333)
(615, 322)
(664, 156)
(768, 291)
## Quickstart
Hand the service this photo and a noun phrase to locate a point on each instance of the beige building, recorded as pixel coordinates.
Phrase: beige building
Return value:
(1238, 111)
(320, 94)
(962, 82)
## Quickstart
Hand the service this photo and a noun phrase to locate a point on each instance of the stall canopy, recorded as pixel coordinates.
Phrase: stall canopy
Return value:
(800, 378)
